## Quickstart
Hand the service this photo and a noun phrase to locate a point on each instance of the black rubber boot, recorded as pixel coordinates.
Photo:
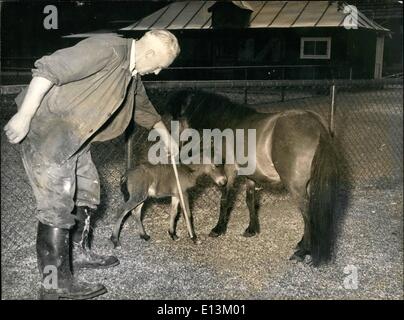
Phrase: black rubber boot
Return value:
(83, 256)
(54, 265)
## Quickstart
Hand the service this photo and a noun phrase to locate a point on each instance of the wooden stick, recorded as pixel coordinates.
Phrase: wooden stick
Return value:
(184, 209)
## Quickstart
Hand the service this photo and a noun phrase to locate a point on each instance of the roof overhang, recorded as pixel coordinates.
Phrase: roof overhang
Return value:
(182, 15)
(195, 15)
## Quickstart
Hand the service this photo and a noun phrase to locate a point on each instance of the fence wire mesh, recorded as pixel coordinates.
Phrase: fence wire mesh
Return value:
(368, 128)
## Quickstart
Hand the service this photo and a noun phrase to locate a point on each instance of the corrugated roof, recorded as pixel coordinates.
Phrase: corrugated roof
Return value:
(177, 15)
(265, 14)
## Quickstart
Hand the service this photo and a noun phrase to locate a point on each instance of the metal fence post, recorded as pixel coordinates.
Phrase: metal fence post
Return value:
(245, 88)
(283, 88)
(332, 110)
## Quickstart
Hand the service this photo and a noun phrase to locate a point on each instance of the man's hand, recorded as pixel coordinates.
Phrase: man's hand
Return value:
(172, 146)
(169, 142)
(17, 128)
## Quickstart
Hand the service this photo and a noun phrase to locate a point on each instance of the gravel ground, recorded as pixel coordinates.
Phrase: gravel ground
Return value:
(234, 267)
(229, 267)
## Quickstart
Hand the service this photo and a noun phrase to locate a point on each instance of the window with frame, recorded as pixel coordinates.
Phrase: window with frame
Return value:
(315, 48)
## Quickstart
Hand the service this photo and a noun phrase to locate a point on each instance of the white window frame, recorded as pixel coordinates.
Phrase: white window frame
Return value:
(315, 56)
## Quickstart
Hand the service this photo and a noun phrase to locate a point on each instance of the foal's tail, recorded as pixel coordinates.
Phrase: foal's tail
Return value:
(124, 187)
(322, 199)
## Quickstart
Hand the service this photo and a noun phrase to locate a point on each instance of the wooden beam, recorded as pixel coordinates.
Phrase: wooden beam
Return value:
(379, 57)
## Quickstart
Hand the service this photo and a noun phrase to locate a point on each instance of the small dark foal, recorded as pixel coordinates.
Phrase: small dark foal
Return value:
(159, 181)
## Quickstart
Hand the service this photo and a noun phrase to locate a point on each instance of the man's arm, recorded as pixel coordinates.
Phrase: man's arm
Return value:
(145, 114)
(147, 117)
(70, 64)
(18, 127)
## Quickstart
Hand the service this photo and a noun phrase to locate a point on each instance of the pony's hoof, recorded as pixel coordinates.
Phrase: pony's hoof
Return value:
(145, 237)
(216, 233)
(115, 244)
(195, 240)
(299, 255)
(249, 233)
(299, 245)
(295, 257)
(173, 236)
(309, 261)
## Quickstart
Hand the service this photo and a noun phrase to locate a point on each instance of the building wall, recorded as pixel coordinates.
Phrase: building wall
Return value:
(352, 54)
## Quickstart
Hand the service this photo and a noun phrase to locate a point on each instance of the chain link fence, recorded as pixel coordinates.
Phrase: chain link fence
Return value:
(368, 127)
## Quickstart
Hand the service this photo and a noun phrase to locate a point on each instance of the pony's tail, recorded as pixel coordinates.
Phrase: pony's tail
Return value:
(124, 187)
(322, 200)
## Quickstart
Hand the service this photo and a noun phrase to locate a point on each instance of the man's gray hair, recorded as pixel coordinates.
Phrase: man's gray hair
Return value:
(168, 39)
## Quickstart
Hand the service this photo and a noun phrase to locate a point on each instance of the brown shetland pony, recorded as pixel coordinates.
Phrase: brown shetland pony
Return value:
(293, 148)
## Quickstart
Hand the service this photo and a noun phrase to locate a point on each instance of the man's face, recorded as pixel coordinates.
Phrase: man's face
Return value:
(155, 58)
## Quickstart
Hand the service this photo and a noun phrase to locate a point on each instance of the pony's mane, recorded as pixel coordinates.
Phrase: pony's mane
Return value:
(204, 107)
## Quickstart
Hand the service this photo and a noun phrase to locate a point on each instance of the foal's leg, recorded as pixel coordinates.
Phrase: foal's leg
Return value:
(137, 195)
(226, 203)
(190, 218)
(117, 227)
(253, 227)
(137, 214)
(173, 218)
